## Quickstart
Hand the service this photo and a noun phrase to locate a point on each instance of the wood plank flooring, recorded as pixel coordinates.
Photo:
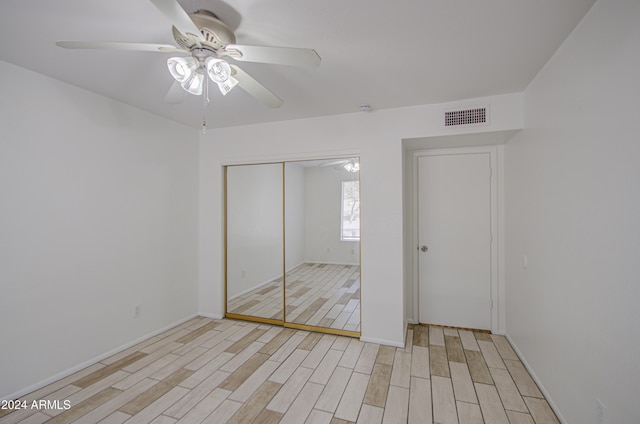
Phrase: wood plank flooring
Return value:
(322, 295)
(225, 371)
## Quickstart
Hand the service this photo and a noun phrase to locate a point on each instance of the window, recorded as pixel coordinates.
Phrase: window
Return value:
(350, 227)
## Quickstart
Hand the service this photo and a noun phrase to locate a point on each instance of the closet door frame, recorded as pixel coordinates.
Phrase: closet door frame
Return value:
(280, 322)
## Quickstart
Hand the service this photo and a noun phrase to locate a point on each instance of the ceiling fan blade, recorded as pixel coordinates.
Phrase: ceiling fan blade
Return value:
(176, 94)
(187, 42)
(115, 45)
(256, 89)
(278, 55)
(172, 10)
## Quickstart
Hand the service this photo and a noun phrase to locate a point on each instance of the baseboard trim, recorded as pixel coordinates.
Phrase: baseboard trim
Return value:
(544, 391)
(257, 286)
(85, 364)
(331, 263)
(212, 316)
(381, 341)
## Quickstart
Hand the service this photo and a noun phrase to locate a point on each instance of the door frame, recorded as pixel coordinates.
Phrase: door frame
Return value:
(497, 289)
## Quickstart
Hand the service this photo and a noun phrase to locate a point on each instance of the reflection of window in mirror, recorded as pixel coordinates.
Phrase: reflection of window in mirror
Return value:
(350, 225)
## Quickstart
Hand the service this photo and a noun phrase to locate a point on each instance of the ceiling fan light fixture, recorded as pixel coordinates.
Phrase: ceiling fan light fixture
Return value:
(182, 68)
(352, 166)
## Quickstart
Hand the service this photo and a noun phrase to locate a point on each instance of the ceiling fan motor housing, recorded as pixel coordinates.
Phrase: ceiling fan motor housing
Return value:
(216, 34)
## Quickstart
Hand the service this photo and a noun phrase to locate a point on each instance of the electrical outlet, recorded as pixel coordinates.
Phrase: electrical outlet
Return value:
(244, 273)
(137, 311)
(602, 413)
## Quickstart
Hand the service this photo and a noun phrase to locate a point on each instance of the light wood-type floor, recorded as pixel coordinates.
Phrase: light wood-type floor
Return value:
(322, 295)
(224, 371)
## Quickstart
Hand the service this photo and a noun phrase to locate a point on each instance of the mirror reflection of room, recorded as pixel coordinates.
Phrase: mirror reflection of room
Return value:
(320, 212)
(322, 243)
(254, 240)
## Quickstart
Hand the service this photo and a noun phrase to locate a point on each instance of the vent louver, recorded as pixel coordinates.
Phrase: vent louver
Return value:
(464, 117)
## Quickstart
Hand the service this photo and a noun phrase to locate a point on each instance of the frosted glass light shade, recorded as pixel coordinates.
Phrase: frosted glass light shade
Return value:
(219, 71)
(228, 85)
(194, 84)
(182, 68)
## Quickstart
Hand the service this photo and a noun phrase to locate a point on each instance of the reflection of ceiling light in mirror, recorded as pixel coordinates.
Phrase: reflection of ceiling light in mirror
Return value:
(352, 166)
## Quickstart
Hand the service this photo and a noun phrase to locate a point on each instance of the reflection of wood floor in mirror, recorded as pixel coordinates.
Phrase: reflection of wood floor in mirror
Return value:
(322, 295)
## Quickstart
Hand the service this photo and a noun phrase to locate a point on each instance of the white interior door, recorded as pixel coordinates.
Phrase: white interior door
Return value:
(454, 220)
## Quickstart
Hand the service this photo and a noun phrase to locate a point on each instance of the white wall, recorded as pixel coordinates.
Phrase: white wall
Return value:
(254, 226)
(376, 137)
(573, 208)
(323, 202)
(98, 213)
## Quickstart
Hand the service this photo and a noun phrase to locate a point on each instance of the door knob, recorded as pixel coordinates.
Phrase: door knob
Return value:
(424, 248)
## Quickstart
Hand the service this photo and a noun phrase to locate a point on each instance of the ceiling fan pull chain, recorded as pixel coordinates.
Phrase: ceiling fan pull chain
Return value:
(205, 101)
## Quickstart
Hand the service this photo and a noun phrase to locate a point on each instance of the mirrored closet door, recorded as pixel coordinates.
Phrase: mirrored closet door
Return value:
(322, 245)
(254, 243)
(317, 212)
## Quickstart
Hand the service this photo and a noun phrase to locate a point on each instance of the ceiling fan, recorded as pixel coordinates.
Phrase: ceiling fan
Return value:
(208, 43)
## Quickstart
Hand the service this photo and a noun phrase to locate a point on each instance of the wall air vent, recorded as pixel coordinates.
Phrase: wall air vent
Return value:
(464, 117)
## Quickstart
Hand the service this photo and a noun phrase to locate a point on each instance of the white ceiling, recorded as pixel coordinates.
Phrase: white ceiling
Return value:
(386, 54)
